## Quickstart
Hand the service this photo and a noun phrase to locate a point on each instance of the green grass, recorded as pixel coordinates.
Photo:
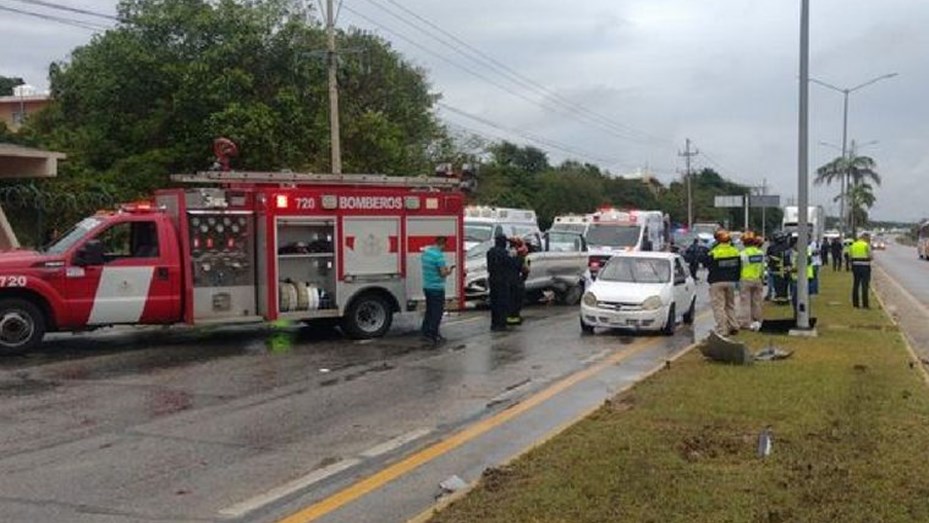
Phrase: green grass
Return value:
(850, 419)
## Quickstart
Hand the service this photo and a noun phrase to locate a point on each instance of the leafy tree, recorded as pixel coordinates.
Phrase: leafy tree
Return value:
(7, 83)
(148, 97)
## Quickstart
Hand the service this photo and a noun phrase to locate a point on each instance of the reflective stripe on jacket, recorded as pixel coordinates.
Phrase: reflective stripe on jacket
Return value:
(725, 264)
(860, 253)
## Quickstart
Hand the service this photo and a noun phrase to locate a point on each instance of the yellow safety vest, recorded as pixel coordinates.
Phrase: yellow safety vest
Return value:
(809, 265)
(752, 264)
(860, 253)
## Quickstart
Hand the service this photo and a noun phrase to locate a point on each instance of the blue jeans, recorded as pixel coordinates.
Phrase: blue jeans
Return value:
(435, 307)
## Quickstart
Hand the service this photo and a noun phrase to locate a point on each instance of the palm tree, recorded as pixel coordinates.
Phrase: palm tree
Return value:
(860, 199)
(857, 168)
(854, 170)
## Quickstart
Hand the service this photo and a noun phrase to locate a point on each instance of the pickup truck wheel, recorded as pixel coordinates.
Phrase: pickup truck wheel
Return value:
(586, 329)
(572, 296)
(22, 326)
(691, 313)
(369, 316)
(668, 329)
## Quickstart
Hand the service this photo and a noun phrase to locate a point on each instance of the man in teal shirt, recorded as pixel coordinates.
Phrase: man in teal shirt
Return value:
(434, 273)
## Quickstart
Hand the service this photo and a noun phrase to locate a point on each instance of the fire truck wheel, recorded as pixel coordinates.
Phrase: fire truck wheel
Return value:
(369, 316)
(22, 326)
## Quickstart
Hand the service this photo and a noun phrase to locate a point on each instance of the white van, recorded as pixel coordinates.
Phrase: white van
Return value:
(572, 223)
(482, 223)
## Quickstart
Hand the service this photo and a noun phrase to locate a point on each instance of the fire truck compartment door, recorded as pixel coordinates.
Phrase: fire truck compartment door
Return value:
(371, 246)
(421, 233)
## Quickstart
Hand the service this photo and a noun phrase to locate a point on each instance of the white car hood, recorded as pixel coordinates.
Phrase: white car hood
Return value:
(468, 245)
(476, 267)
(624, 292)
(605, 249)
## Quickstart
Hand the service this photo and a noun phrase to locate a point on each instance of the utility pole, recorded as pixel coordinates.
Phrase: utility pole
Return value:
(333, 59)
(764, 222)
(687, 154)
(803, 289)
(748, 196)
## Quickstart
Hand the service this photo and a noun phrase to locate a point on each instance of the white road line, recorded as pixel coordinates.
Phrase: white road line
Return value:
(594, 357)
(395, 443)
(464, 320)
(240, 509)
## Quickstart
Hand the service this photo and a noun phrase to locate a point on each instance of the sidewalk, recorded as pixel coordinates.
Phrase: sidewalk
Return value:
(849, 414)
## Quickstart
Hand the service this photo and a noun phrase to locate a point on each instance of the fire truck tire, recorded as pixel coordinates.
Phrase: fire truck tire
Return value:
(368, 316)
(22, 326)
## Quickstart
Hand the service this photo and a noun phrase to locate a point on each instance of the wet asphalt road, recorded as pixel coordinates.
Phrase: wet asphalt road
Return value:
(902, 280)
(193, 424)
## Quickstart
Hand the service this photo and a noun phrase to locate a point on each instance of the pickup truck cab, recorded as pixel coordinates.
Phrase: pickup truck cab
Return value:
(557, 262)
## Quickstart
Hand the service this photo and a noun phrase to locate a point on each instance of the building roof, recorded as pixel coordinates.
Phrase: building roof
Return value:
(25, 162)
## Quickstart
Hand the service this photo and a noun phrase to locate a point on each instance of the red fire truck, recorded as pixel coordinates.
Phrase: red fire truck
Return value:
(240, 247)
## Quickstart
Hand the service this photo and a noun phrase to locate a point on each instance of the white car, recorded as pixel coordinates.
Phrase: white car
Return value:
(641, 291)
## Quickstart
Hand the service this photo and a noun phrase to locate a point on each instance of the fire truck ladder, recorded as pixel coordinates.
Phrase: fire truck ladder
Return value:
(289, 178)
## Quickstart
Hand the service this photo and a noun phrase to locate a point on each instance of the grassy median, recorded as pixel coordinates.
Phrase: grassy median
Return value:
(849, 413)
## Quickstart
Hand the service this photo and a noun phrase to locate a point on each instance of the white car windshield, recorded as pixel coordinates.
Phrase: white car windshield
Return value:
(478, 232)
(603, 235)
(569, 227)
(636, 270)
(71, 237)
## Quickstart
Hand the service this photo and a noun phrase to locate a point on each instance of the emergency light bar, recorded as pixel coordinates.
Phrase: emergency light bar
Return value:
(381, 180)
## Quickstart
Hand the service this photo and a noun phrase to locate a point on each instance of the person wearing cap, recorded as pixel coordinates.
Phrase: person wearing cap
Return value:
(724, 265)
(751, 288)
(501, 269)
(860, 256)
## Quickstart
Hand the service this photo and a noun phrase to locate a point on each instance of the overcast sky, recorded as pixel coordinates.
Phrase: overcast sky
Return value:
(622, 83)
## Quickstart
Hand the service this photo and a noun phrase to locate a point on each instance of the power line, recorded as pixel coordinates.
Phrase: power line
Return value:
(62, 7)
(526, 135)
(61, 20)
(555, 103)
(483, 59)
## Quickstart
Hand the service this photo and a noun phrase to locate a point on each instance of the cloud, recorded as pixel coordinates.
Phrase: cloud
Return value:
(721, 72)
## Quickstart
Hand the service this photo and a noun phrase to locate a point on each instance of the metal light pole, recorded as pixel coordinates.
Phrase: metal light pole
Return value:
(845, 93)
(803, 289)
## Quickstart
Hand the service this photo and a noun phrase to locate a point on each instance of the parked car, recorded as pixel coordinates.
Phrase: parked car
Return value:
(640, 291)
(557, 262)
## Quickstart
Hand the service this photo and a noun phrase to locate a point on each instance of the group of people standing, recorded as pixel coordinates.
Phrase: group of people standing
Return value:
(729, 271)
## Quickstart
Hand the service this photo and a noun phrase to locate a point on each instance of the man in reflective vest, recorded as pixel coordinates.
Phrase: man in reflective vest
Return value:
(751, 288)
(724, 266)
(860, 255)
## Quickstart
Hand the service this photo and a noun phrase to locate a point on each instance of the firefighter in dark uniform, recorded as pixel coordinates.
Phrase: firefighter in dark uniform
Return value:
(501, 269)
(518, 285)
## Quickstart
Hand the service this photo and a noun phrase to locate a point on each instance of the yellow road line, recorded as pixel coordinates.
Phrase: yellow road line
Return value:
(427, 514)
(406, 465)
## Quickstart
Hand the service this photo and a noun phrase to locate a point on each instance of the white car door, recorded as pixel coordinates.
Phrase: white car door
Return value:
(683, 286)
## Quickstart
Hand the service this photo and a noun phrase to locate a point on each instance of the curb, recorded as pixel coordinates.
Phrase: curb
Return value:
(902, 332)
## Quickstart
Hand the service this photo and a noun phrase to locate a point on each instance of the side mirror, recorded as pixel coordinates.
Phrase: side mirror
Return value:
(680, 281)
(91, 253)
